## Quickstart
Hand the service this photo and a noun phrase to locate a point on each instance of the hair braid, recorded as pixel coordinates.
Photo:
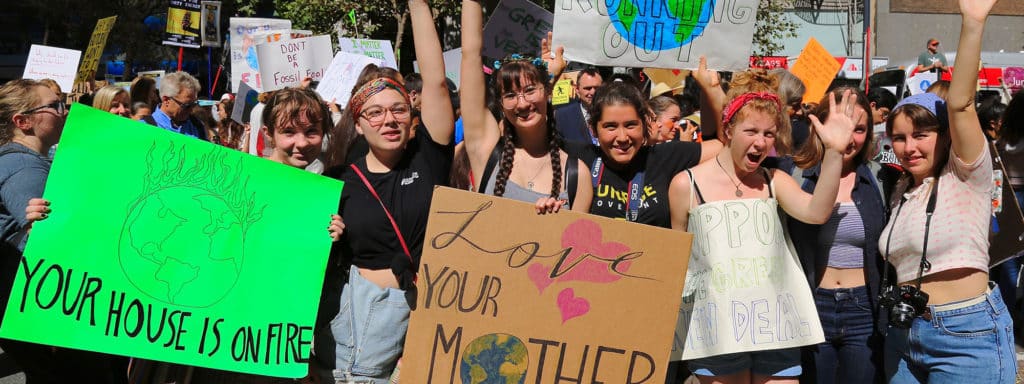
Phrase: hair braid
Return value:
(508, 153)
(555, 146)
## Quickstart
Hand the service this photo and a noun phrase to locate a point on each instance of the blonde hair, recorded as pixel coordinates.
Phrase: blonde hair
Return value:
(758, 80)
(52, 84)
(16, 96)
(105, 96)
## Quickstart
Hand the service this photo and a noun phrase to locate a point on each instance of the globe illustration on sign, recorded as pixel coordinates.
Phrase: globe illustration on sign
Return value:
(678, 22)
(495, 358)
(182, 239)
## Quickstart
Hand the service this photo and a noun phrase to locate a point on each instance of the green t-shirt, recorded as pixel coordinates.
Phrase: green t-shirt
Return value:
(927, 59)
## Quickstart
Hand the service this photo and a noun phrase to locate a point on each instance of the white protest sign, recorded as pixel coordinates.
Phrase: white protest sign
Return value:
(378, 49)
(647, 33)
(342, 75)
(244, 63)
(516, 26)
(286, 63)
(744, 288)
(920, 82)
(452, 65)
(58, 64)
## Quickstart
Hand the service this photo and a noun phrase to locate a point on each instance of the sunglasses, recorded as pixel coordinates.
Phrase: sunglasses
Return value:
(188, 105)
(58, 106)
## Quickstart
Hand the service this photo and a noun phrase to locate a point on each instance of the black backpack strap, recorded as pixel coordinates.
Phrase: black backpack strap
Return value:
(491, 163)
(572, 176)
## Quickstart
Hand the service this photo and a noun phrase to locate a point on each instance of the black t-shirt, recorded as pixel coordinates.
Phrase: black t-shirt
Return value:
(370, 240)
(659, 164)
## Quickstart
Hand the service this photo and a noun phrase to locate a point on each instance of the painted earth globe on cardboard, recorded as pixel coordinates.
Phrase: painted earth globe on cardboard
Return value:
(495, 358)
(678, 22)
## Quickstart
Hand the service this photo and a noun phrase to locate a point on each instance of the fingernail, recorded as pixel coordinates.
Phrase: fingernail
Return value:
(43, 216)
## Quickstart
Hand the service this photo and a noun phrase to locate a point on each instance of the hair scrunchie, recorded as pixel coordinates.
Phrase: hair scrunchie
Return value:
(737, 103)
(372, 88)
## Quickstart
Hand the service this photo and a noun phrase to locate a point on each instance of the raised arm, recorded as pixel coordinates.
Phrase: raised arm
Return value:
(835, 135)
(437, 113)
(480, 130)
(964, 127)
(712, 99)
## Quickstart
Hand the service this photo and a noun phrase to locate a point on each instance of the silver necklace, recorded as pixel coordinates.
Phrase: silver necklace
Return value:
(739, 193)
(529, 183)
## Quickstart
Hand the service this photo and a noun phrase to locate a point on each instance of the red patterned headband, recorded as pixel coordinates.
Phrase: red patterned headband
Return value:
(736, 104)
(372, 88)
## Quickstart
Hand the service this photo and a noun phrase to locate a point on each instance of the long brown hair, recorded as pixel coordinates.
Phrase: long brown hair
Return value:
(344, 134)
(813, 151)
(510, 77)
(924, 120)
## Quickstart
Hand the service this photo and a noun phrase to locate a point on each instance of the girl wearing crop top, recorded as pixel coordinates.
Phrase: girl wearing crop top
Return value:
(840, 258)
(730, 205)
(964, 334)
(532, 162)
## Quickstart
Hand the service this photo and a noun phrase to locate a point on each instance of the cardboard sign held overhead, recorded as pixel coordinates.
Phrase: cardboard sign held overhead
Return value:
(342, 75)
(555, 295)
(244, 62)
(287, 63)
(58, 64)
(647, 33)
(162, 258)
(516, 26)
(91, 61)
(378, 49)
(816, 68)
(183, 24)
(666, 80)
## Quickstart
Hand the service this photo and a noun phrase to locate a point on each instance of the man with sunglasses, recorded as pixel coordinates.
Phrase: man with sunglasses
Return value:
(178, 97)
(932, 60)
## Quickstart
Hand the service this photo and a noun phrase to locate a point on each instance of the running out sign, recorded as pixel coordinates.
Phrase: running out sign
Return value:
(669, 34)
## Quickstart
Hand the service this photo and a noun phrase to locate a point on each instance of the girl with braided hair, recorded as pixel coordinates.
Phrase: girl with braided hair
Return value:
(531, 165)
(731, 206)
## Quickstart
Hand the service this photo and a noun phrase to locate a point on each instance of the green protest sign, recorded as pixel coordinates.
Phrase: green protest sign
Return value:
(164, 247)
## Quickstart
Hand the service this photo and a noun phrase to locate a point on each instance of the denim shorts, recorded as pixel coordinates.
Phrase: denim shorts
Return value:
(973, 344)
(775, 362)
(369, 331)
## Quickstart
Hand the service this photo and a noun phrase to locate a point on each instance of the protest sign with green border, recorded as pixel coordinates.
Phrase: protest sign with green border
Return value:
(168, 248)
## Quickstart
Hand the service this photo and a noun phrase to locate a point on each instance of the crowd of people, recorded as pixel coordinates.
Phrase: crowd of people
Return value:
(897, 267)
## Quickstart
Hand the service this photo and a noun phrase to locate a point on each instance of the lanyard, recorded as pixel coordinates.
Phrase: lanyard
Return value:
(386, 211)
(634, 189)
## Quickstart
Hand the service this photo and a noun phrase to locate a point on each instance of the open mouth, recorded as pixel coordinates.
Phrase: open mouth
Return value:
(754, 158)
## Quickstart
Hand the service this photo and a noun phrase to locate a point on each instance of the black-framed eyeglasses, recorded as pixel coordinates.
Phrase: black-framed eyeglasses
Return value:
(188, 105)
(58, 106)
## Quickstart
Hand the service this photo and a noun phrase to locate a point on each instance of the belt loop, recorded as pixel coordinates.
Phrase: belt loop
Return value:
(989, 297)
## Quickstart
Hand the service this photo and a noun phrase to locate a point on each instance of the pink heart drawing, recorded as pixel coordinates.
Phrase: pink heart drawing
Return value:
(571, 306)
(584, 236)
(540, 275)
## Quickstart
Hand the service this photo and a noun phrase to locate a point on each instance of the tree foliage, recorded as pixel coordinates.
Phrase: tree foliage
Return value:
(772, 27)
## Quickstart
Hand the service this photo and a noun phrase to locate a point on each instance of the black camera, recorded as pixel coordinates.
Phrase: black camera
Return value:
(904, 304)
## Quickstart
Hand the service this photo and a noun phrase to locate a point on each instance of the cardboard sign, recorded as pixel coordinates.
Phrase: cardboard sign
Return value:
(245, 99)
(562, 92)
(378, 49)
(656, 34)
(286, 63)
(342, 75)
(183, 21)
(816, 68)
(666, 80)
(211, 24)
(516, 26)
(174, 252)
(58, 64)
(1013, 77)
(244, 62)
(566, 294)
(738, 299)
(91, 61)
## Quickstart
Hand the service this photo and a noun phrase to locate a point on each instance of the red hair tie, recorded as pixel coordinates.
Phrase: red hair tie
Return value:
(737, 103)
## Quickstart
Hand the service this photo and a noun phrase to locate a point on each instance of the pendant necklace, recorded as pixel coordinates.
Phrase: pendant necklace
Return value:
(529, 183)
(739, 193)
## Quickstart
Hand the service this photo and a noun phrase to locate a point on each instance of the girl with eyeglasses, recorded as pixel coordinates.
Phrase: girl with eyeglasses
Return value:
(31, 121)
(530, 164)
(385, 203)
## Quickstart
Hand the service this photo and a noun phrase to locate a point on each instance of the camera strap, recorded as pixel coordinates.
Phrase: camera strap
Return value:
(924, 265)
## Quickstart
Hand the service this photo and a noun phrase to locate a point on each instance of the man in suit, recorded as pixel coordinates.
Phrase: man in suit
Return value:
(572, 119)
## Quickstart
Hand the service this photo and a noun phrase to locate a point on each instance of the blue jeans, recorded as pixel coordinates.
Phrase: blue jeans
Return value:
(851, 349)
(965, 345)
(369, 331)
